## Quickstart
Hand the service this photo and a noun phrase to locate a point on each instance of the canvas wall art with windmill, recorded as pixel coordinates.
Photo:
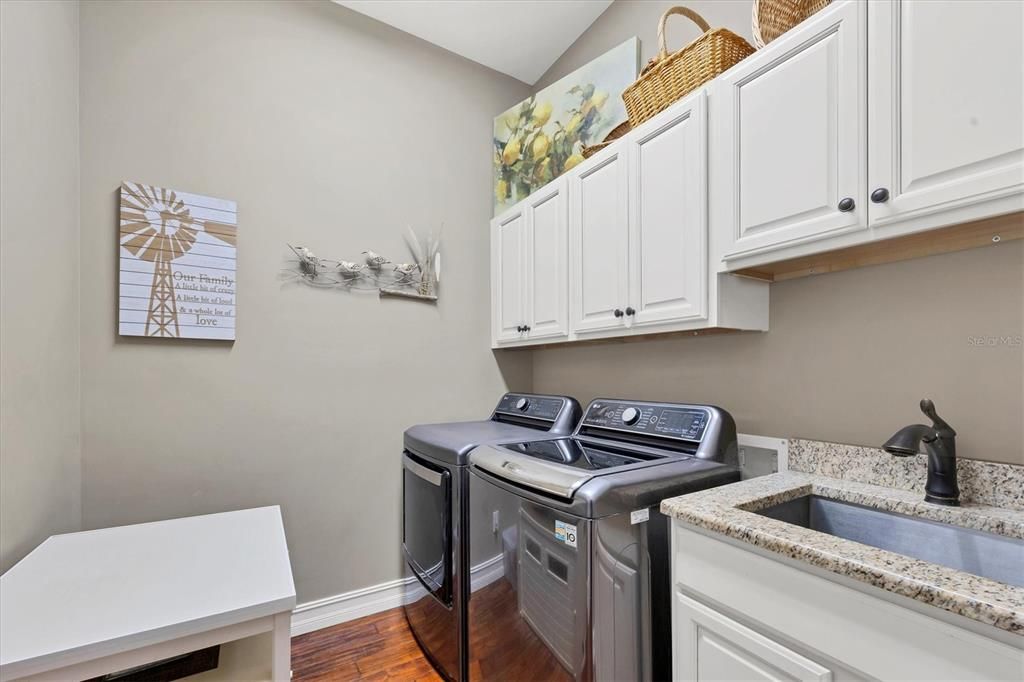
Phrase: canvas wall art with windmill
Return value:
(177, 264)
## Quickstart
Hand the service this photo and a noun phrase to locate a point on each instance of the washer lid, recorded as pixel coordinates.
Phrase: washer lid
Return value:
(530, 471)
(452, 441)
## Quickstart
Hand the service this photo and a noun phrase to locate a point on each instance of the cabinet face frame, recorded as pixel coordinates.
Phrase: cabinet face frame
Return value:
(613, 160)
(690, 220)
(889, 98)
(553, 196)
(840, 30)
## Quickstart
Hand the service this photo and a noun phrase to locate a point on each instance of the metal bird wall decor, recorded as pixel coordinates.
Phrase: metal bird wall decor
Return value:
(418, 279)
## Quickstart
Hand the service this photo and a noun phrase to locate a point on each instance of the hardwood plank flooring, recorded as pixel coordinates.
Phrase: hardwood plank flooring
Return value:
(377, 647)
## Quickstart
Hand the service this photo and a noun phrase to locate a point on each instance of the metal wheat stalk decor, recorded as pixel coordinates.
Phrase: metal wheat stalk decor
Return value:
(418, 280)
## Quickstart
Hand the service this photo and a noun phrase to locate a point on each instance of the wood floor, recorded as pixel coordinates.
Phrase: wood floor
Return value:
(377, 647)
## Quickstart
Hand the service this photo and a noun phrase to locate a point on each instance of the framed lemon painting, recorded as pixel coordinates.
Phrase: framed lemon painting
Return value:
(543, 136)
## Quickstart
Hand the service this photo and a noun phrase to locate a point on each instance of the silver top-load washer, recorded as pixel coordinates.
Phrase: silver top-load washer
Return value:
(435, 482)
(578, 585)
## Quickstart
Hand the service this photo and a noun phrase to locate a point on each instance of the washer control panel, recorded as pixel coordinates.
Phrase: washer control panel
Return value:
(537, 407)
(665, 420)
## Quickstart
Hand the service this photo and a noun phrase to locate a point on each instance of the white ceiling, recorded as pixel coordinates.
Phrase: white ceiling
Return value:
(521, 38)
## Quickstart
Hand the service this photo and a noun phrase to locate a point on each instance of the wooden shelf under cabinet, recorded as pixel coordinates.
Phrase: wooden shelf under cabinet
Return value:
(988, 232)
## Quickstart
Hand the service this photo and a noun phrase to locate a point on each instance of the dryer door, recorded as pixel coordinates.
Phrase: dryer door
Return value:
(427, 524)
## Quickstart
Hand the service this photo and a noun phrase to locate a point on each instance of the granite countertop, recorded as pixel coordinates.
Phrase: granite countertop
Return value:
(729, 510)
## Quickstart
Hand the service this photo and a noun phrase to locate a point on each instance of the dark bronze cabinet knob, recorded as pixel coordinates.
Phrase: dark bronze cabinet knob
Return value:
(880, 195)
(846, 205)
(617, 312)
(630, 311)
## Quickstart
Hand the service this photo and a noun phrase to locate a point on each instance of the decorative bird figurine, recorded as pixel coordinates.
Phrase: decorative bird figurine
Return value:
(403, 271)
(349, 269)
(375, 260)
(307, 259)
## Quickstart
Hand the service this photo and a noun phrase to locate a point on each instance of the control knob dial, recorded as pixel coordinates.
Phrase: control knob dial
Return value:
(522, 404)
(630, 416)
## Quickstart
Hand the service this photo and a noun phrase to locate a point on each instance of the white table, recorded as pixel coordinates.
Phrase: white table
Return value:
(90, 603)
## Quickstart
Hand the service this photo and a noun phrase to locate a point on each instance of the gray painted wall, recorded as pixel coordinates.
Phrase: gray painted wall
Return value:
(626, 18)
(329, 130)
(849, 354)
(39, 397)
(847, 359)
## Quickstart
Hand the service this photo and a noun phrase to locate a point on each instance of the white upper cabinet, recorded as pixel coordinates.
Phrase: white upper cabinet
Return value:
(788, 134)
(547, 280)
(508, 279)
(946, 97)
(530, 282)
(668, 226)
(599, 247)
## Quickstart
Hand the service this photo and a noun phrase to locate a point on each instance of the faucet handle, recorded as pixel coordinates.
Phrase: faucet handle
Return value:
(938, 423)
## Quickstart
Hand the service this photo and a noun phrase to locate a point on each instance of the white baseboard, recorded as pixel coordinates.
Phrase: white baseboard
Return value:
(341, 608)
(323, 613)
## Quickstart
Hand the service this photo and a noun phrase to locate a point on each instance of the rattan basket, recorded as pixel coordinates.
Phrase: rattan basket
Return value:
(771, 18)
(614, 134)
(667, 78)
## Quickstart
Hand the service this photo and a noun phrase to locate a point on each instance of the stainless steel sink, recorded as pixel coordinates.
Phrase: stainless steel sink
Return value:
(985, 554)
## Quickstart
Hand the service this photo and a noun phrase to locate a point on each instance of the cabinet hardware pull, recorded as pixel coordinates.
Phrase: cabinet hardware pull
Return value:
(880, 195)
(846, 205)
(630, 311)
(617, 312)
(526, 328)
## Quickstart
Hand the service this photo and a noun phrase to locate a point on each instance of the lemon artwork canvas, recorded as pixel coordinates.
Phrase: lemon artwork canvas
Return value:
(543, 136)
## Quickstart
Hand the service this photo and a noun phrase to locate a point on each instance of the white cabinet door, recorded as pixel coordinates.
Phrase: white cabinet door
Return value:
(598, 228)
(946, 96)
(710, 646)
(547, 275)
(668, 216)
(790, 130)
(508, 281)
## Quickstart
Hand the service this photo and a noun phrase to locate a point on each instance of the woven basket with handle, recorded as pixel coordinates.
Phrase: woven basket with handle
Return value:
(667, 78)
(615, 133)
(771, 18)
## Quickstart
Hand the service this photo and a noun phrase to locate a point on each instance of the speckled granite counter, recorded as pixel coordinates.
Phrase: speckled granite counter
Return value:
(729, 510)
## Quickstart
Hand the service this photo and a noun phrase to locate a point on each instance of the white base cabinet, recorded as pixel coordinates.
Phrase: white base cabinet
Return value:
(741, 614)
(711, 646)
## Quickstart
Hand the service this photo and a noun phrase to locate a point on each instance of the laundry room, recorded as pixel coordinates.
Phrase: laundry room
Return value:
(592, 340)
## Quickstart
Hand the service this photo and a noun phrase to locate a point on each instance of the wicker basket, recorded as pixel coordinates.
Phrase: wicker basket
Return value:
(614, 134)
(771, 18)
(667, 78)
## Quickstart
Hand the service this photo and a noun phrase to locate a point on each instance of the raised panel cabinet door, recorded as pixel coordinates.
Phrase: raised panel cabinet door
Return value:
(508, 258)
(668, 206)
(946, 97)
(790, 126)
(547, 273)
(599, 246)
(711, 646)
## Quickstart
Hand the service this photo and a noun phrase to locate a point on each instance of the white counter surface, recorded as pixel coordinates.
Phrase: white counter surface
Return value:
(83, 596)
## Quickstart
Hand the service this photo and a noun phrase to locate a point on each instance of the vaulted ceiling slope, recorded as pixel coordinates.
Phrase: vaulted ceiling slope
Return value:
(520, 38)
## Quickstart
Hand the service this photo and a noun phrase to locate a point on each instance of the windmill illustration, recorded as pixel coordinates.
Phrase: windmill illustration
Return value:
(158, 227)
